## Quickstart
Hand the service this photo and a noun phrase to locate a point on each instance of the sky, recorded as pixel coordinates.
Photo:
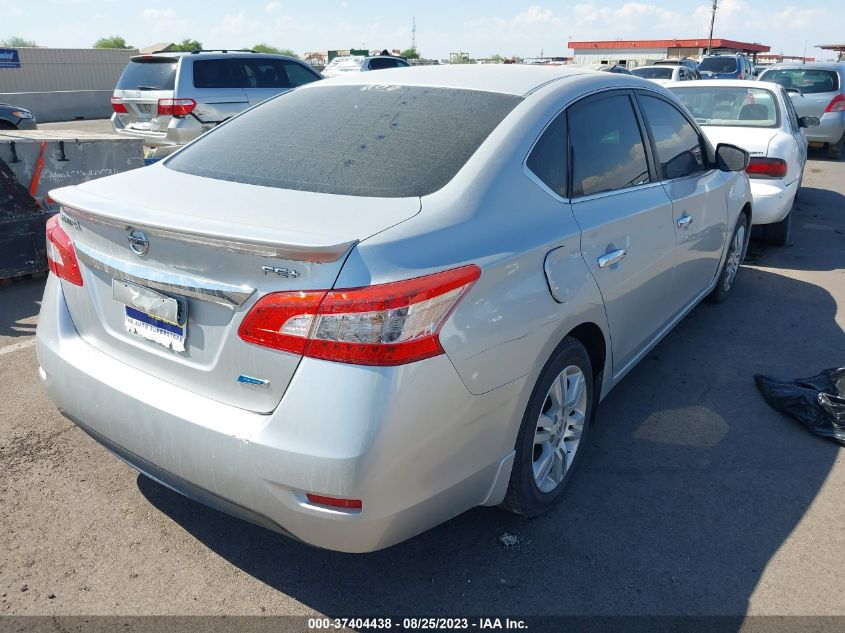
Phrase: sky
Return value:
(478, 27)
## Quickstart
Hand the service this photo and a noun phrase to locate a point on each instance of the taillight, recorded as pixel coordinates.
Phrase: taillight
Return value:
(176, 107)
(837, 104)
(386, 324)
(766, 168)
(118, 106)
(61, 256)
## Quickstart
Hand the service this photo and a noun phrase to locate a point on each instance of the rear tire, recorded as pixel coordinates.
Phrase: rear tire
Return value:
(554, 433)
(730, 269)
(834, 150)
(777, 233)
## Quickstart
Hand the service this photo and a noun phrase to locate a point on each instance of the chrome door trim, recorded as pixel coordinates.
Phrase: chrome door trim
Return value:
(317, 254)
(611, 257)
(227, 295)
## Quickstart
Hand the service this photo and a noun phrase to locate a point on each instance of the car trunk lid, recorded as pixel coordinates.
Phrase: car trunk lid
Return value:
(216, 256)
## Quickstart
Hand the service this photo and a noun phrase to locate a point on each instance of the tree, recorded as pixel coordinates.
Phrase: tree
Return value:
(263, 47)
(17, 42)
(187, 45)
(496, 58)
(266, 48)
(115, 41)
(410, 53)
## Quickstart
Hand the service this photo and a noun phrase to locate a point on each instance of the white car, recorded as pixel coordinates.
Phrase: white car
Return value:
(664, 74)
(759, 117)
(359, 63)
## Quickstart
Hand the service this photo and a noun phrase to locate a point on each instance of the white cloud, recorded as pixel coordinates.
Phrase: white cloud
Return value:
(235, 25)
(273, 6)
(535, 15)
(14, 12)
(164, 21)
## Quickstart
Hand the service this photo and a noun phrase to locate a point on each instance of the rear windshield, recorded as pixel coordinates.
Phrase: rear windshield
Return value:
(718, 65)
(807, 80)
(148, 75)
(734, 106)
(653, 73)
(381, 141)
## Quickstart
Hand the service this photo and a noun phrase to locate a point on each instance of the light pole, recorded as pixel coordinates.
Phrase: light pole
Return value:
(712, 20)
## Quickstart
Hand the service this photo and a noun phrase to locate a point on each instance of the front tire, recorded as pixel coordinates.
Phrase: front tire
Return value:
(736, 253)
(554, 433)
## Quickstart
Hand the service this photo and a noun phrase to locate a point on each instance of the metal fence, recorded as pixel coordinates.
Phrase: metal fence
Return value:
(62, 84)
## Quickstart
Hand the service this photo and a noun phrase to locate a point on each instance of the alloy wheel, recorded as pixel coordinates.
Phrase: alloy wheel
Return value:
(559, 428)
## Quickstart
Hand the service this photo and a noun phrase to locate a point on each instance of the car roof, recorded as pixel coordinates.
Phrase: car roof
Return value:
(211, 55)
(814, 65)
(726, 83)
(659, 66)
(514, 79)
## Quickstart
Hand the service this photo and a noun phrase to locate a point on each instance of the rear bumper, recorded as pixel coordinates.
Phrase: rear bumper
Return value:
(376, 435)
(772, 200)
(179, 132)
(831, 128)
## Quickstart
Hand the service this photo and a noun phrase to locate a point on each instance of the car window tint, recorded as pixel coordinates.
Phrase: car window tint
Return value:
(220, 73)
(606, 146)
(548, 158)
(677, 143)
(807, 80)
(299, 75)
(382, 140)
(719, 64)
(156, 74)
(266, 73)
(379, 63)
(729, 106)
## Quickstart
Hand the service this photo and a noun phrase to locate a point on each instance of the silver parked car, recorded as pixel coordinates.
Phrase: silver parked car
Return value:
(664, 74)
(353, 331)
(359, 63)
(172, 98)
(817, 90)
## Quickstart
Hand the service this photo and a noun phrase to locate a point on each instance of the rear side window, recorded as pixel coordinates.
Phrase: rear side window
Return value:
(807, 80)
(548, 158)
(148, 75)
(606, 146)
(677, 143)
(379, 63)
(299, 75)
(219, 73)
(382, 141)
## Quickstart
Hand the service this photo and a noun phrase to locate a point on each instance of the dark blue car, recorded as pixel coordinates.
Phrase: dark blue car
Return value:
(726, 67)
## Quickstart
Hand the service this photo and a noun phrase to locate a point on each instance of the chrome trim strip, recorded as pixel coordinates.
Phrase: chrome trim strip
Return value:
(195, 287)
(317, 254)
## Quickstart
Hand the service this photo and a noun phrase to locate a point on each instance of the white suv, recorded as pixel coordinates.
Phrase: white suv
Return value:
(172, 98)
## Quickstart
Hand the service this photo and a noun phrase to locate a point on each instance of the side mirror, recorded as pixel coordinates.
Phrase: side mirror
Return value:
(809, 121)
(731, 157)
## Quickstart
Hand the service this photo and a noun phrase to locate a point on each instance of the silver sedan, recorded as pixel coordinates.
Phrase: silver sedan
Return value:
(353, 331)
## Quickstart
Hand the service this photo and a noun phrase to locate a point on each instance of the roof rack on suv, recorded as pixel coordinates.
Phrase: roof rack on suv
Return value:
(222, 50)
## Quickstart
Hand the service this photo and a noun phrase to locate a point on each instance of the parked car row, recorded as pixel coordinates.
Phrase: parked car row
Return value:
(352, 331)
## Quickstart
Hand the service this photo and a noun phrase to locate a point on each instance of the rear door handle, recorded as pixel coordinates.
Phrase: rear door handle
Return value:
(684, 220)
(612, 257)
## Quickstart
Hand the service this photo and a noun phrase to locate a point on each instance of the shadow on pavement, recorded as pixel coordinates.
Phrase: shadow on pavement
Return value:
(692, 485)
(19, 300)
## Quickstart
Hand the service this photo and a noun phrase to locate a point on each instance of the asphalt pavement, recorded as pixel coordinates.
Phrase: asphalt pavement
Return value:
(696, 499)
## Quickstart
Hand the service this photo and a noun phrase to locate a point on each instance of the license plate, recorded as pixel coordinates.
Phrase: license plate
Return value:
(153, 315)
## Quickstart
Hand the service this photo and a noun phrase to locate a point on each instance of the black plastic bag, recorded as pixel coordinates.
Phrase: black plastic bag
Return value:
(818, 401)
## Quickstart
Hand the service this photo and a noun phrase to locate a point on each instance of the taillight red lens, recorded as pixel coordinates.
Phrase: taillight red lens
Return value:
(837, 104)
(117, 105)
(766, 168)
(386, 324)
(61, 256)
(176, 107)
(349, 504)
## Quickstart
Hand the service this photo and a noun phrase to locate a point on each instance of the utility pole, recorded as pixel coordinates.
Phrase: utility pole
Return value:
(712, 20)
(414, 34)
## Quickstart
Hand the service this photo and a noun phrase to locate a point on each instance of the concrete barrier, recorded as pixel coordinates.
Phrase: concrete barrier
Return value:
(63, 105)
